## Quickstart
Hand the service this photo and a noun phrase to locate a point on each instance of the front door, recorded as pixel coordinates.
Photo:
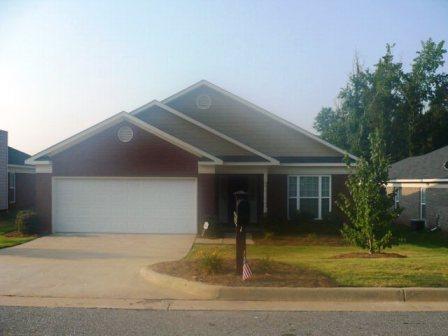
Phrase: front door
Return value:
(236, 183)
(229, 184)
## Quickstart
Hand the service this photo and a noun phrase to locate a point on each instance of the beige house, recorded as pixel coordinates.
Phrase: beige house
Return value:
(421, 185)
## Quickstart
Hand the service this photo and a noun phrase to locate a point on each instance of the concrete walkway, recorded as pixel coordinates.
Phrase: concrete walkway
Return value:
(89, 266)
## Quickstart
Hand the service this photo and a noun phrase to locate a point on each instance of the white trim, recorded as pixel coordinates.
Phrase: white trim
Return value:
(124, 178)
(122, 116)
(203, 126)
(322, 164)
(423, 190)
(397, 196)
(419, 185)
(319, 197)
(12, 186)
(259, 109)
(21, 169)
(249, 164)
(418, 180)
(311, 170)
(206, 169)
(44, 169)
(265, 192)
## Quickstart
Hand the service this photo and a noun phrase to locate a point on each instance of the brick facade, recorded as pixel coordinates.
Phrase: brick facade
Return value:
(436, 204)
(104, 155)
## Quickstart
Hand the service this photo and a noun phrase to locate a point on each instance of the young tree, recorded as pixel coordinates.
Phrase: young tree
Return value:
(369, 208)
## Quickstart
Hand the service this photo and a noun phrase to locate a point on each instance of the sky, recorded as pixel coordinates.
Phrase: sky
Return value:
(67, 65)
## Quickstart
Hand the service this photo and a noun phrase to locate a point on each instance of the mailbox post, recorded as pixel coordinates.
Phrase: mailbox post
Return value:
(241, 218)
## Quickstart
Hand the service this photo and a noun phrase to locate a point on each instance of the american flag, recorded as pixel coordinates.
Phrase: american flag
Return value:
(247, 272)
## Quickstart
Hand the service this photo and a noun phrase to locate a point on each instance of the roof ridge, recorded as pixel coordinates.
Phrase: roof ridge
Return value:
(259, 109)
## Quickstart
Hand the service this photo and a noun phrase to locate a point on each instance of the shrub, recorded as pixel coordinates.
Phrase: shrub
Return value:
(210, 261)
(276, 226)
(302, 217)
(26, 222)
(265, 265)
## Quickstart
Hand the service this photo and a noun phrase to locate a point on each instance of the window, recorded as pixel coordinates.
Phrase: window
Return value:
(397, 197)
(12, 187)
(311, 194)
(423, 203)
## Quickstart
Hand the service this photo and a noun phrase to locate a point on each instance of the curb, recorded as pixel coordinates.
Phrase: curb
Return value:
(198, 289)
(338, 294)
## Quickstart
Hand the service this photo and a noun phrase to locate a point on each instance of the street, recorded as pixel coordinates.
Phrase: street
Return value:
(82, 321)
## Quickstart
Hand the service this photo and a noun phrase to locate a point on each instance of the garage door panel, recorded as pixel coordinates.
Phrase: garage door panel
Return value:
(156, 205)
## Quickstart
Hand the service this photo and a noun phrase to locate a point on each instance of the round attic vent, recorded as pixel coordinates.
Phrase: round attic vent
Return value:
(445, 165)
(203, 102)
(125, 134)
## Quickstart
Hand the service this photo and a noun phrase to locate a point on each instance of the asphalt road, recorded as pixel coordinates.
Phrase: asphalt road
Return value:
(81, 321)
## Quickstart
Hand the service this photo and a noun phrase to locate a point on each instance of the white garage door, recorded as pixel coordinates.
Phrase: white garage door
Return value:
(146, 205)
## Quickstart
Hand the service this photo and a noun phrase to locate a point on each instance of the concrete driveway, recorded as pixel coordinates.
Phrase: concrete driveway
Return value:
(89, 266)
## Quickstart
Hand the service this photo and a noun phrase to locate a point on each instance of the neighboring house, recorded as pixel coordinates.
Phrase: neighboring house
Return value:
(168, 166)
(17, 180)
(421, 186)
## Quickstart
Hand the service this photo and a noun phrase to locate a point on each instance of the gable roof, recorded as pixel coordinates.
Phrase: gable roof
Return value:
(427, 166)
(255, 141)
(199, 134)
(119, 117)
(16, 157)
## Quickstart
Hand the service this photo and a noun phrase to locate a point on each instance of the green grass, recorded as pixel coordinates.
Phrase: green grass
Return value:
(426, 264)
(6, 226)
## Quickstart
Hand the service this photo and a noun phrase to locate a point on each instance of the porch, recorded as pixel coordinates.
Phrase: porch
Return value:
(217, 202)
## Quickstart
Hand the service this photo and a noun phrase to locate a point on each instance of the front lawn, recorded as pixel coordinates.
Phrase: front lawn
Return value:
(425, 265)
(7, 236)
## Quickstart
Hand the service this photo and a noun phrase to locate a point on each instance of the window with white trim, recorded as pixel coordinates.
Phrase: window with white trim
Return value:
(310, 194)
(423, 203)
(12, 187)
(397, 197)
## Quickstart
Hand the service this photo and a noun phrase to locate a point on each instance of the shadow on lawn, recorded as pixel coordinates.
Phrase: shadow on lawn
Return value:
(421, 238)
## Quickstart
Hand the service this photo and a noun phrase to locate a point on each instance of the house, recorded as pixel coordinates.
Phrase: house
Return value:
(169, 165)
(17, 179)
(421, 187)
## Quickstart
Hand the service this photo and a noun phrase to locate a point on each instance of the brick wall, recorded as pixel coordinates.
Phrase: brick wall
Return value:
(437, 203)
(104, 155)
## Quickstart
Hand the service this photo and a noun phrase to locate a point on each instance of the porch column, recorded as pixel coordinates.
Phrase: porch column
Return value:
(265, 192)
(206, 195)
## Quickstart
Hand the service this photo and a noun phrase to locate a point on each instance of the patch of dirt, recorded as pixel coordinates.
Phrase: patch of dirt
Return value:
(16, 234)
(279, 274)
(367, 255)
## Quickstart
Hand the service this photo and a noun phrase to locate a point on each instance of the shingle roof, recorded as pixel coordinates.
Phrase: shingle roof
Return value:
(197, 136)
(16, 157)
(427, 166)
(247, 124)
(310, 159)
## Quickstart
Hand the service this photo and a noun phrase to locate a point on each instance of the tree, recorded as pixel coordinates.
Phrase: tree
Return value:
(409, 109)
(368, 207)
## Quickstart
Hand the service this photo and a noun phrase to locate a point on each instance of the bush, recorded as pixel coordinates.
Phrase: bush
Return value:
(302, 217)
(211, 261)
(265, 265)
(275, 226)
(26, 222)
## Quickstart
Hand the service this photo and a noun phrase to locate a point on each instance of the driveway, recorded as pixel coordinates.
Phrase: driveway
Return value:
(89, 266)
